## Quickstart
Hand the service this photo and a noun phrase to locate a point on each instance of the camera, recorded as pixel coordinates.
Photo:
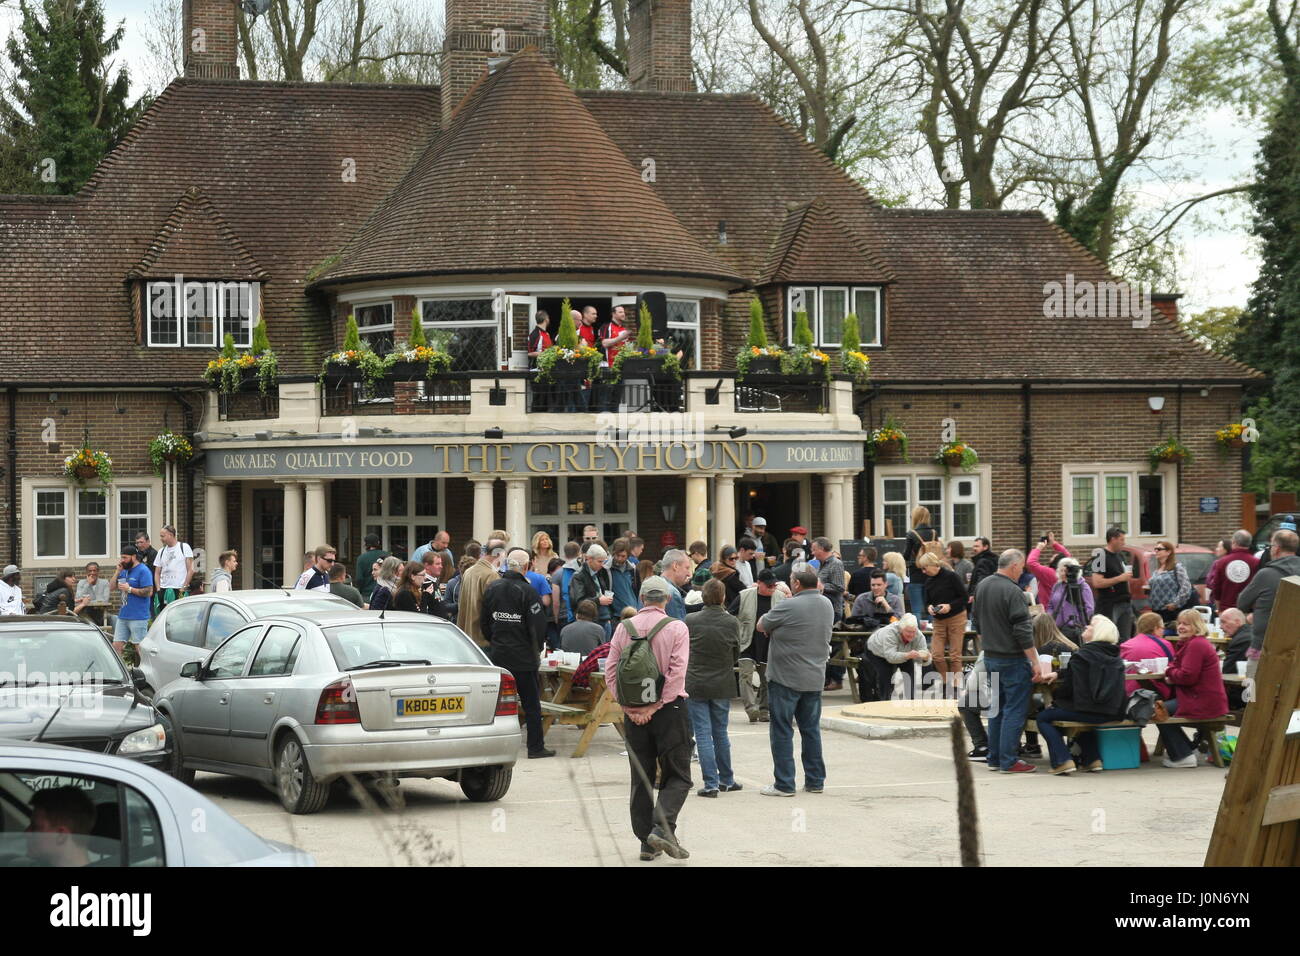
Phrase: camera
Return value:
(1072, 573)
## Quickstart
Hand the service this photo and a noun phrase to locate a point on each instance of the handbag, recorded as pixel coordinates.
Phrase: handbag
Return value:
(1161, 712)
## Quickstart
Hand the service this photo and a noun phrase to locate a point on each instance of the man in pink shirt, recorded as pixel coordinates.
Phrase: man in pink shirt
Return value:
(658, 733)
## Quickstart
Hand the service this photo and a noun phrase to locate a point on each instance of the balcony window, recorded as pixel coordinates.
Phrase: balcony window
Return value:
(828, 305)
(375, 323)
(200, 313)
(466, 328)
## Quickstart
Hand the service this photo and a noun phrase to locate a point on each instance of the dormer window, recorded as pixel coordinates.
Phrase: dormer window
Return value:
(199, 313)
(827, 305)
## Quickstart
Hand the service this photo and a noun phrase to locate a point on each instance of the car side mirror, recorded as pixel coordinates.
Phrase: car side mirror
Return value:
(138, 678)
(192, 670)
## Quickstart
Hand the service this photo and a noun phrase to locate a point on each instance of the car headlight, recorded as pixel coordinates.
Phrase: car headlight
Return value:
(144, 741)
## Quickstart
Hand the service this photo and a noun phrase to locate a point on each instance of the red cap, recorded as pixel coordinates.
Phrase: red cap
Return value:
(798, 529)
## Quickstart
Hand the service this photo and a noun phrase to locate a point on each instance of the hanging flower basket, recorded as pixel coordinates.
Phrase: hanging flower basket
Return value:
(169, 447)
(956, 454)
(1170, 450)
(887, 441)
(87, 464)
(1231, 436)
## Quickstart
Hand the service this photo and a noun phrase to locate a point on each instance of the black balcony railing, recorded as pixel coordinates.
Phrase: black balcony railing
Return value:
(783, 394)
(633, 395)
(246, 406)
(446, 395)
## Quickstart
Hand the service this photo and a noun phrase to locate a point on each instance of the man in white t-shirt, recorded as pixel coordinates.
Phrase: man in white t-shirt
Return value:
(317, 577)
(11, 592)
(173, 569)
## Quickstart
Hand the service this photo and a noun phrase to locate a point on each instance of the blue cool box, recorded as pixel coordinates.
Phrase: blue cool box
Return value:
(1120, 747)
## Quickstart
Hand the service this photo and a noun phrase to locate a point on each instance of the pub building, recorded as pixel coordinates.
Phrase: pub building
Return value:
(502, 192)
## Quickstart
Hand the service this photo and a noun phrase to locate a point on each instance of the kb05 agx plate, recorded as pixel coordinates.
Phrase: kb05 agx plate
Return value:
(429, 706)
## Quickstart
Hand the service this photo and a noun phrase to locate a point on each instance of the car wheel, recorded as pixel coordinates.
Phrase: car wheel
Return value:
(177, 768)
(484, 784)
(299, 791)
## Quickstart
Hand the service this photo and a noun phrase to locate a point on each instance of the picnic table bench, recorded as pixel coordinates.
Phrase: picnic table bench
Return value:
(1212, 728)
(581, 707)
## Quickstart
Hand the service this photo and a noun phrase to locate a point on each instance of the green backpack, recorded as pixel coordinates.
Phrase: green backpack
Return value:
(638, 679)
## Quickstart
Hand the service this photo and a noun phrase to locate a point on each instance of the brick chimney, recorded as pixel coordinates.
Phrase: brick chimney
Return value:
(477, 31)
(210, 37)
(659, 45)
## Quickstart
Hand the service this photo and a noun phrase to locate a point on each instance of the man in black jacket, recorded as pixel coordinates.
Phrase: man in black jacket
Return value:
(592, 582)
(514, 626)
(986, 563)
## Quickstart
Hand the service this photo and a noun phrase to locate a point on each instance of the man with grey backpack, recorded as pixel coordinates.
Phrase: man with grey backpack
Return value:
(646, 673)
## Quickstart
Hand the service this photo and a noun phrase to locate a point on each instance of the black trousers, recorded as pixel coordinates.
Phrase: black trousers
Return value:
(666, 740)
(530, 700)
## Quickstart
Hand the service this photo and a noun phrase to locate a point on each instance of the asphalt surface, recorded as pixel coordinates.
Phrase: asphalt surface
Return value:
(887, 802)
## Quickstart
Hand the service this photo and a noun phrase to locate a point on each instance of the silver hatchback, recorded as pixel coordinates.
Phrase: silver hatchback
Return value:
(298, 702)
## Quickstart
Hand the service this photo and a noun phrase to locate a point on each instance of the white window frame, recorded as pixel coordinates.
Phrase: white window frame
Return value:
(387, 521)
(214, 290)
(982, 476)
(72, 555)
(118, 514)
(493, 321)
(816, 313)
(598, 517)
(1131, 471)
(690, 326)
(37, 518)
(390, 326)
(81, 552)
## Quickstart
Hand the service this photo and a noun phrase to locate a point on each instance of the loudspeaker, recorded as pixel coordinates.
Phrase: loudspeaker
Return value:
(657, 303)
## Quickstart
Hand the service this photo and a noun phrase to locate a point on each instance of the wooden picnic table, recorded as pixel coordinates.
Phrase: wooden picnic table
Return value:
(580, 707)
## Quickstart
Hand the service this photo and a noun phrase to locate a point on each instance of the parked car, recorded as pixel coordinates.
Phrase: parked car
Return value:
(298, 701)
(1195, 559)
(61, 682)
(1265, 533)
(189, 629)
(120, 812)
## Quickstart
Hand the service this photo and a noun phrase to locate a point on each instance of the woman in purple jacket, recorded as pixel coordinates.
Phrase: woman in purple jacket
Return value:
(1197, 681)
(1071, 603)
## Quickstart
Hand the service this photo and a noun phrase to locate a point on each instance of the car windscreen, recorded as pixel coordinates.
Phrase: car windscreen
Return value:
(305, 606)
(49, 657)
(1196, 564)
(356, 644)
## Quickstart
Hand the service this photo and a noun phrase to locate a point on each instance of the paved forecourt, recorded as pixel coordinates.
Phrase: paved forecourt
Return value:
(887, 802)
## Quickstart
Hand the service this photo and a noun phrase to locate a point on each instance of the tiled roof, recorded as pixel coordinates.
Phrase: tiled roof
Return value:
(196, 241)
(524, 180)
(273, 162)
(816, 246)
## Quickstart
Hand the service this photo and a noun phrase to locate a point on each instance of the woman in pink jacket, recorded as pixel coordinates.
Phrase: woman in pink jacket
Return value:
(1145, 645)
(1045, 572)
(1198, 687)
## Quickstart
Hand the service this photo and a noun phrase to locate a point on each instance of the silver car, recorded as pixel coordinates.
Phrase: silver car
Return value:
(187, 630)
(298, 702)
(65, 807)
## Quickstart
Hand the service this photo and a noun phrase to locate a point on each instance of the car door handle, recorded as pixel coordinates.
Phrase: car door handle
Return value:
(225, 699)
(268, 699)
(153, 652)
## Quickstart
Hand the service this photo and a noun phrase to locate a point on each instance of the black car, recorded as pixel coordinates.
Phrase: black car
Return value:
(61, 682)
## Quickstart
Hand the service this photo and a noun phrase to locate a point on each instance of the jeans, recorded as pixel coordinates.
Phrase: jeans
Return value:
(664, 740)
(1177, 746)
(790, 707)
(754, 698)
(970, 716)
(916, 598)
(530, 702)
(709, 718)
(1055, 738)
(1010, 682)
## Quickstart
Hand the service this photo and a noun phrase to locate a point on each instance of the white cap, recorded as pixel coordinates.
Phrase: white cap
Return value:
(758, 521)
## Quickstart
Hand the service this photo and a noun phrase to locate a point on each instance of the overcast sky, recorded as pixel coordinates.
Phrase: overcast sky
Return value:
(1218, 263)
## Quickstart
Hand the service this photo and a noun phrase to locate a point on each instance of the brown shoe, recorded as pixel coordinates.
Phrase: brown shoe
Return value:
(1067, 767)
(833, 685)
(1094, 767)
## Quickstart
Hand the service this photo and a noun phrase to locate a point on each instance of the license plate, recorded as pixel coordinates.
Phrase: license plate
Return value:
(429, 706)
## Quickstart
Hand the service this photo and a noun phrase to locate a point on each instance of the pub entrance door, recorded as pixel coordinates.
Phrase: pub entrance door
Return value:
(267, 559)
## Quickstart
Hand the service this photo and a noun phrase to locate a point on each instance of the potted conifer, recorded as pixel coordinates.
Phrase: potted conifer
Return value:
(853, 360)
(803, 359)
(354, 362)
(569, 359)
(415, 359)
(645, 358)
(757, 357)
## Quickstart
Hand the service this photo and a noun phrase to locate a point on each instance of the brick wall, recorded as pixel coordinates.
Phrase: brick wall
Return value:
(1075, 427)
(659, 45)
(210, 39)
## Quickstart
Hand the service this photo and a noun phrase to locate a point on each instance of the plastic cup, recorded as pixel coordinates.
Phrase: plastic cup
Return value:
(1241, 668)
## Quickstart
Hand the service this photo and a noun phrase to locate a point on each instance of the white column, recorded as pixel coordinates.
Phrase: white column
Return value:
(315, 520)
(696, 520)
(214, 530)
(294, 545)
(851, 525)
(517, 511)
(724, 513)
(483, 517)
(833, 520)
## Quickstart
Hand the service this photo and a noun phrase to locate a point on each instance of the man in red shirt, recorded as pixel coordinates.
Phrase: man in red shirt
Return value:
(614, 334)
(586, 322)
(1231, 573)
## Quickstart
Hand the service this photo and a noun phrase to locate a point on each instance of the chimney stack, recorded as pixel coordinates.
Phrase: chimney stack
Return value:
(210, 37)
(479, 31)
(659, 45)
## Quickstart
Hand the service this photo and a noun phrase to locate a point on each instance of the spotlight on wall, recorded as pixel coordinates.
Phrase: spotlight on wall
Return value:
(495, 434)
(366, 431)
(200, 437)
(1156, 403)
(669, 508)
(262, 436)
(733, 431)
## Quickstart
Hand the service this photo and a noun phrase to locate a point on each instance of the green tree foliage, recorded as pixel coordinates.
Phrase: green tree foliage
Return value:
(1216, 327)
(567, 335)
(573, 30)
(757, 327)
(63, 110)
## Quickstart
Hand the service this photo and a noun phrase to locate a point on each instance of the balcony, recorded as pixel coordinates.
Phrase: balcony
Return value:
(468, 403)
